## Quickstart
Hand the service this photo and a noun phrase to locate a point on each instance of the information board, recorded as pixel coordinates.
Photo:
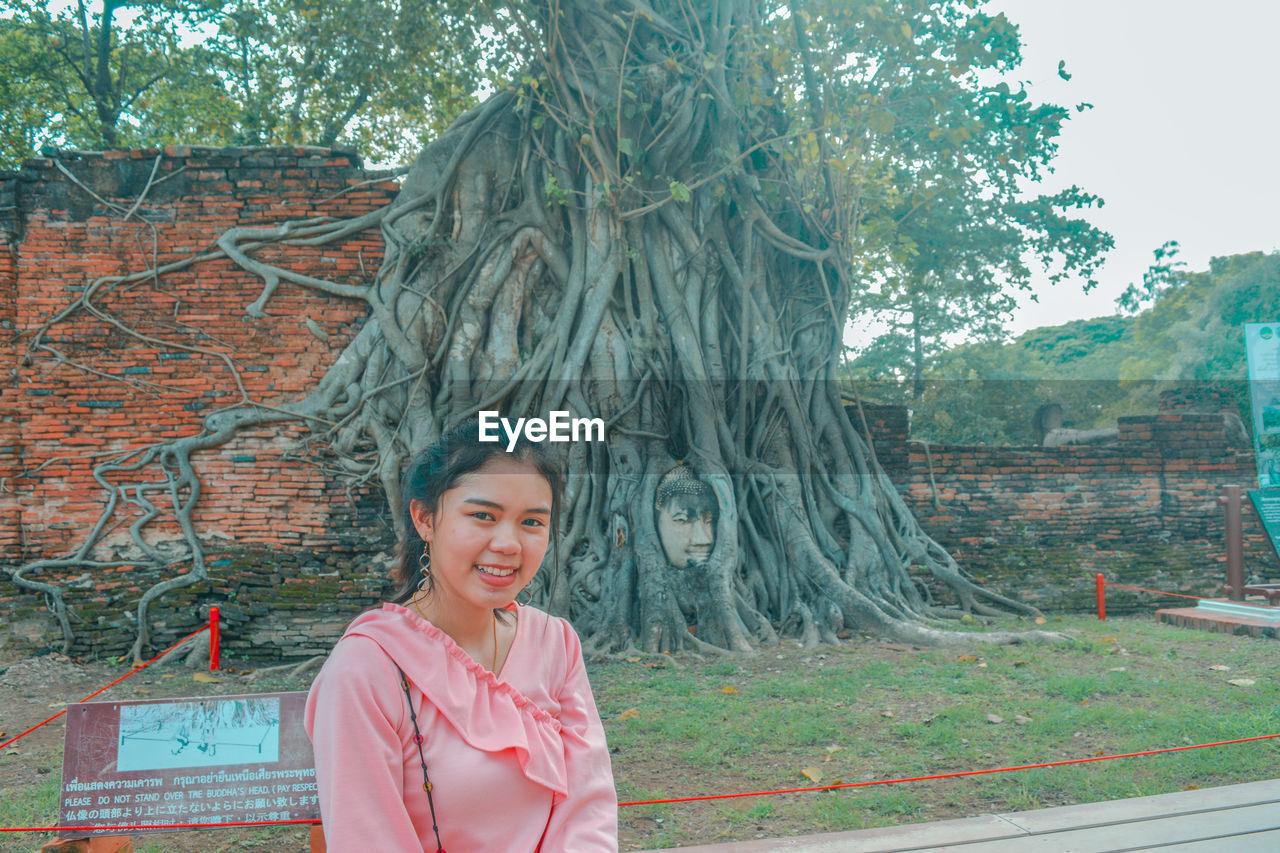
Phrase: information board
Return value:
(1262, 349)
(1266, 502)
(205, 760)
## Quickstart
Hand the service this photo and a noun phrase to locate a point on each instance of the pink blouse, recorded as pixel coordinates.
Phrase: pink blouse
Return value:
(518, 762)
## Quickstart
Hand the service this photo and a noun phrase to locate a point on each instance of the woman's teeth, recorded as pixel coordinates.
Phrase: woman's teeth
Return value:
(495, 571)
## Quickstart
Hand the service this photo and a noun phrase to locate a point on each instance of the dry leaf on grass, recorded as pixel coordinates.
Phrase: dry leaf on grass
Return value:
(629, 714)
(205, 678)
(1116, 669)
(1241, 682)
(633, 660)
(812, 773)
(729, 690)
(1217, 667)
(994, 718)
(1021, 720)
(966, 659)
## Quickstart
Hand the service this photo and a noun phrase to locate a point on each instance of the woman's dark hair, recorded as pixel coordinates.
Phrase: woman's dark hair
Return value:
(438, 469)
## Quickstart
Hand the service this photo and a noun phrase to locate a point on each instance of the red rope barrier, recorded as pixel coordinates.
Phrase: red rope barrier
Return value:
(137, 668)
(697, 799)
(139, 828)
(1153, 591)
(945, 775)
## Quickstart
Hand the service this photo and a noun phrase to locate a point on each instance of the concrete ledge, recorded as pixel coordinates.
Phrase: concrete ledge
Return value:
(1222, 623)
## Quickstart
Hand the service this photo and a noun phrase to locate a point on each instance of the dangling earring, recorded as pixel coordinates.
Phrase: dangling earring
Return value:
(528, 596)
(424, 565)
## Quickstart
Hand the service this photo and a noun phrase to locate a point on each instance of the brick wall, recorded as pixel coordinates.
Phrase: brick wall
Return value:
(273, 516)
(1038, 523)
(292, 556)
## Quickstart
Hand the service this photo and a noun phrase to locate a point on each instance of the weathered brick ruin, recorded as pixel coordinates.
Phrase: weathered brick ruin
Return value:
(293, 549)
(1038, 523)
(286, 539)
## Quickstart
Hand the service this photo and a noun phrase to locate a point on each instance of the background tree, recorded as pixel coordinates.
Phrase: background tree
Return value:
(662, 223)
(98, 66)
(1188, 334)
(29, 95)
(382, 76)
(960, 227)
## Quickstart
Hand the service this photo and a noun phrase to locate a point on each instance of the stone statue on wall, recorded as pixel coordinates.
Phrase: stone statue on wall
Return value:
(1050, 432)
(685, 513)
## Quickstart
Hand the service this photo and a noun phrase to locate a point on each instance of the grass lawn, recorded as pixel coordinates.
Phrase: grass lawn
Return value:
(788, 717)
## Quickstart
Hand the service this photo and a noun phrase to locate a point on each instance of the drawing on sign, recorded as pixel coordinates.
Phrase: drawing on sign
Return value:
(207, 733)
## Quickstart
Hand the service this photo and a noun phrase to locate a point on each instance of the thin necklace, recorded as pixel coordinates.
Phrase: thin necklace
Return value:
(494, 668)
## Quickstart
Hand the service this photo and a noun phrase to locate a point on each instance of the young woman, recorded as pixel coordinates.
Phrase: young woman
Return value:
(453, 718)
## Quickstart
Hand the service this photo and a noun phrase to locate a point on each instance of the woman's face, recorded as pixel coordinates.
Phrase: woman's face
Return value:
(488, 534)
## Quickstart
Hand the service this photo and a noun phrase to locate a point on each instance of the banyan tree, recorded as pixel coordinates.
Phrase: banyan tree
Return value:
(663, 223)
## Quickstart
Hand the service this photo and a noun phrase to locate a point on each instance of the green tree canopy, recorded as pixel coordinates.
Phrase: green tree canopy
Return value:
(1189, 333)
(382, 76)
(960, 148)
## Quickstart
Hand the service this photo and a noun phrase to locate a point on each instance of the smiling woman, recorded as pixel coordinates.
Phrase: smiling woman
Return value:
(452, 697)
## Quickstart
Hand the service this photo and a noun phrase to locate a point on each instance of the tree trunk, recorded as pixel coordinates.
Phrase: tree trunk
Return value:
(597, 241)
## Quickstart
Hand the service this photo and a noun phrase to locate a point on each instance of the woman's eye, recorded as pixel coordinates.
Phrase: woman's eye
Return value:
(534, 522)
(482, 515)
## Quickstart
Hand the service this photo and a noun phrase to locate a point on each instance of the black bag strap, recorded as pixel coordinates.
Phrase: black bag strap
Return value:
(417, 737)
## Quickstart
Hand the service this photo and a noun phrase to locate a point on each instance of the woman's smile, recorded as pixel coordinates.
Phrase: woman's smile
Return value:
(487, 537)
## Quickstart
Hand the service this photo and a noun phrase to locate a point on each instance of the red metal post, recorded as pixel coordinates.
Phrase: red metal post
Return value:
(215, 651)
(1102, 596)
(1230, 501)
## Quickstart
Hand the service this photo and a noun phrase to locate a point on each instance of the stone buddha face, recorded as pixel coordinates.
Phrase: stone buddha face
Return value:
(685, 512)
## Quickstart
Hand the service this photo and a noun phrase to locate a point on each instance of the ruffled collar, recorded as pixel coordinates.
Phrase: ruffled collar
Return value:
(488, 713)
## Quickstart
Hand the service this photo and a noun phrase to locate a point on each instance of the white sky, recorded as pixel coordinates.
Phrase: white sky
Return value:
(1182, 142)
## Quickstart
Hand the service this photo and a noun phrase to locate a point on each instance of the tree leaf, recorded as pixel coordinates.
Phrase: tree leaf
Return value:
(205, 678)
(729, 690)
(812, 773)
(679, 191)
(1241, 682)
(629, 714)
(995, 718)
(881, 121)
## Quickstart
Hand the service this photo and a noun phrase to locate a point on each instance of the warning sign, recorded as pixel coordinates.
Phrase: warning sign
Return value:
(220, 759)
